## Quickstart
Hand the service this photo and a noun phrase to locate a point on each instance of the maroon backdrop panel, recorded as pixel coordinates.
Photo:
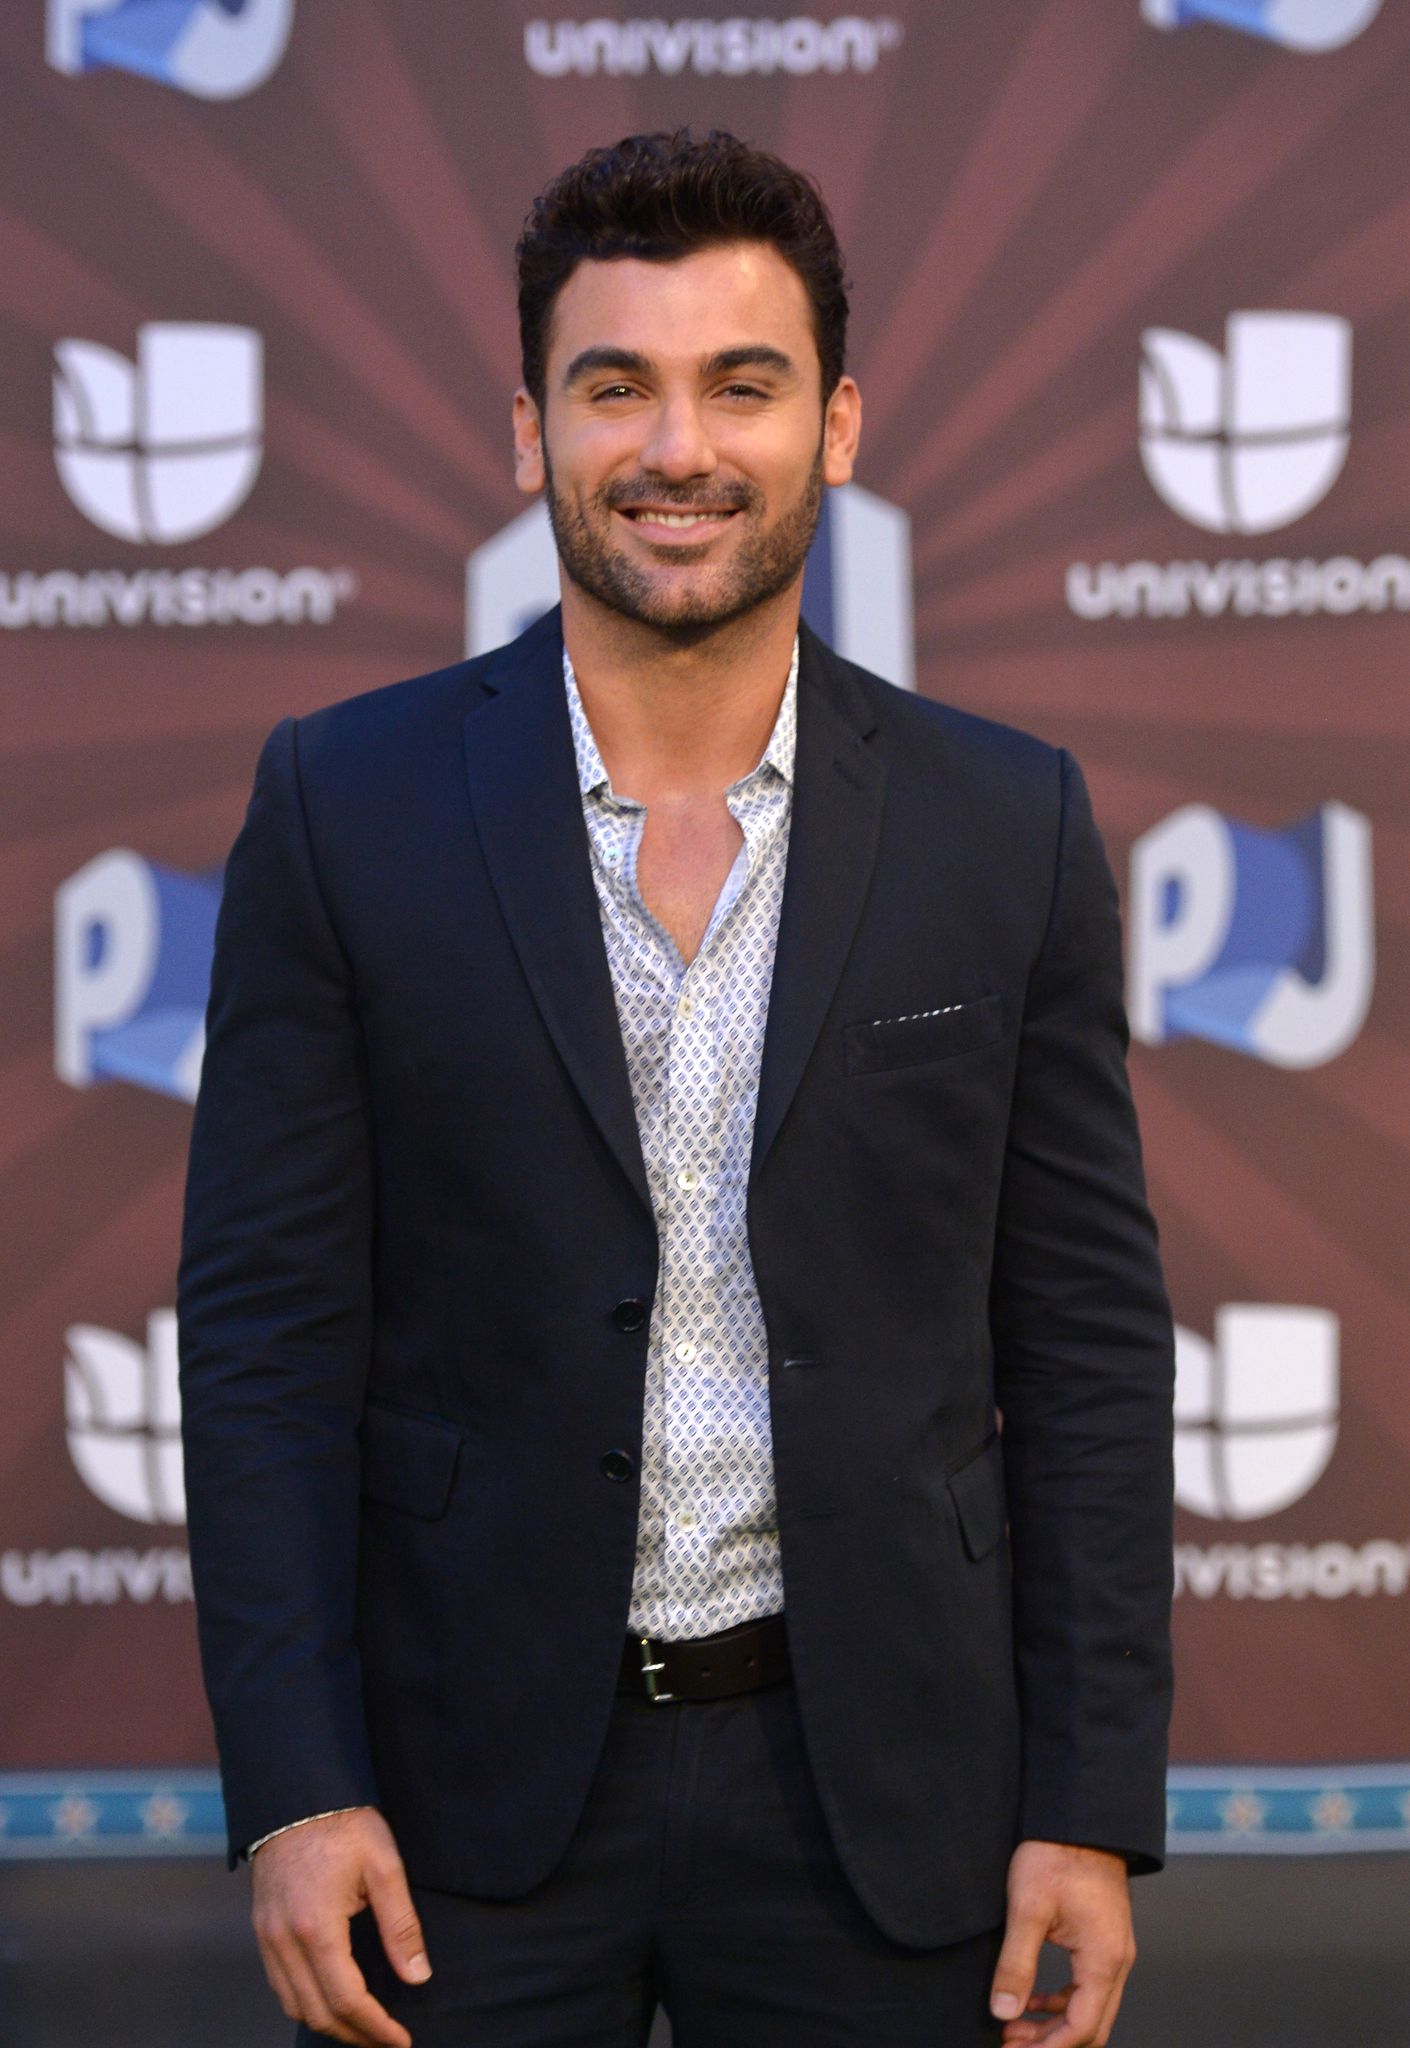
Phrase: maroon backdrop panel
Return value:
(256, 355)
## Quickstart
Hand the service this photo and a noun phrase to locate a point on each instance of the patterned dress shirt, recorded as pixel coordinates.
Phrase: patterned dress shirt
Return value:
(707, 1552)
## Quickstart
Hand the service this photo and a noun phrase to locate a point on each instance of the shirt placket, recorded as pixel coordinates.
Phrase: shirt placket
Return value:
(687, 1128)
(689, 1336)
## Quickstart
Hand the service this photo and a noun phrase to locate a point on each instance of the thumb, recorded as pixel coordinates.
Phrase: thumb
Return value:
(397, 1922)
(1017, 1965)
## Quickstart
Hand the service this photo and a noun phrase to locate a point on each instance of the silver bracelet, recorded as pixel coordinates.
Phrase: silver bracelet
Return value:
(289, 1825)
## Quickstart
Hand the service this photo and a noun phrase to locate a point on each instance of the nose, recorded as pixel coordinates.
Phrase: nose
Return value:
(678, 446)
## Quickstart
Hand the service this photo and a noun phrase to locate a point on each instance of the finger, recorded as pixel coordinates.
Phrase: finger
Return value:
(1079, 2025)
(312, 2007)
(1018, 1964)
(279, 1982)
(1031, 2027)
(1023, 2033)
(344, 1991)
(1113, 2004)
(397, 1921)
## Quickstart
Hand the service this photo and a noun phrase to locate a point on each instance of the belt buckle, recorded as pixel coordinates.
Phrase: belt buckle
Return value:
(654, 1690)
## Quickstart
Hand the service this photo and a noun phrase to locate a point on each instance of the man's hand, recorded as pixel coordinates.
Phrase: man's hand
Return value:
(307, 1885)
(1080, 1899)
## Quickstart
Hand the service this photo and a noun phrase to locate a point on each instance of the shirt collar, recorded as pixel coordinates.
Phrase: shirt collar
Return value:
(778, 754)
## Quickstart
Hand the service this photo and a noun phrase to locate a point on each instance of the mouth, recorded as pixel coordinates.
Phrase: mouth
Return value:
(668, 524)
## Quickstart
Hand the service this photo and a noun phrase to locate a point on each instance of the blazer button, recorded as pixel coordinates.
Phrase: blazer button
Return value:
(630, 1314)
(618, 1464)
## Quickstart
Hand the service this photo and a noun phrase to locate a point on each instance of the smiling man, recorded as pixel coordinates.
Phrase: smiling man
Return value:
(676, 1374)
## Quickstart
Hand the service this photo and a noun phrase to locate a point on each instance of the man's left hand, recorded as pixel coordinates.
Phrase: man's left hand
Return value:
(1080, 1899)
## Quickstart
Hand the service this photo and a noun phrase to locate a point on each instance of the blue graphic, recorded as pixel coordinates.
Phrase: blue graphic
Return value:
(216, 49)
(132, 962)
(1309, 25)
(1259, 940)
(1228, 1810)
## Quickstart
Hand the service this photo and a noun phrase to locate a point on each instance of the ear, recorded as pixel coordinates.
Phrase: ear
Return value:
(528, 444)
(842, 430)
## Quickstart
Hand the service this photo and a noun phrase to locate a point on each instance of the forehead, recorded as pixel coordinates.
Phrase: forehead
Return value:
(684, 309)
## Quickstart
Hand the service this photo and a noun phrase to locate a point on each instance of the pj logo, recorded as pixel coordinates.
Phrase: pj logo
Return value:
(216, 49)
(1309, 25)
(1261, 941)
(132, 965)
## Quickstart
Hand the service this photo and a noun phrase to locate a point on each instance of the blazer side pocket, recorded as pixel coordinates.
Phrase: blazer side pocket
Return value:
(885, 1042)
(977, 1490)
(409, 1460)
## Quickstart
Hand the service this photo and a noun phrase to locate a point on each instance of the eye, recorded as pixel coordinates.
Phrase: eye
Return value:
(744, 391)
(614, 391)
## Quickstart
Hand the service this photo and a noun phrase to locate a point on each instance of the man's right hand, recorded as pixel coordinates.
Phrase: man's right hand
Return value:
(307, 1884)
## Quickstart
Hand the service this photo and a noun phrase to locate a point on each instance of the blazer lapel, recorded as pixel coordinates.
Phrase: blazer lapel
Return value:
(528, 812)
(838, 785)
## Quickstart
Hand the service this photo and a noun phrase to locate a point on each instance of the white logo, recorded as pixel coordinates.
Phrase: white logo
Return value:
(1256, 1411)
(168, 447)
(216, 49)
(1251, 439)
(732, 48)
(123, 1408)
(1298, 24)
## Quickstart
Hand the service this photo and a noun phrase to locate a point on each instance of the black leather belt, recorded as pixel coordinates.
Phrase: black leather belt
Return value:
(738, 1659)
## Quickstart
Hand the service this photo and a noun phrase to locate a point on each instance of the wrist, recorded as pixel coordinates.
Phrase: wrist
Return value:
(288, 1827)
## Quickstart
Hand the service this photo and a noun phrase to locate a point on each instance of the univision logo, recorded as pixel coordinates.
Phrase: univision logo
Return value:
(1256, 1410)
(157, 451)
(1308, 25)
(1239, 442)
(216, 49)
(122, 1405)
(733, 48)
(165, 448)
(1251, 439)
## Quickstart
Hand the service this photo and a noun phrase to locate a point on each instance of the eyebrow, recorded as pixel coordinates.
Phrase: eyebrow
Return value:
(754, 355)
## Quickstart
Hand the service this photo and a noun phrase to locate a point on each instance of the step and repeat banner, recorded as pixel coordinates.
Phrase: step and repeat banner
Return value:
(1131, 286)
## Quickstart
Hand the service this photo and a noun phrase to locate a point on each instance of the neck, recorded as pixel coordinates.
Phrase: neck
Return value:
(679, 715)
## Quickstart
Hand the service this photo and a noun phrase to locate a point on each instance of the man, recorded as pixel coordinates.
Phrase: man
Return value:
(664, 1093)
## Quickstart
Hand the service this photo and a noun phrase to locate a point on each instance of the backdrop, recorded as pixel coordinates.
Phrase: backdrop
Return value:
(1131, 325)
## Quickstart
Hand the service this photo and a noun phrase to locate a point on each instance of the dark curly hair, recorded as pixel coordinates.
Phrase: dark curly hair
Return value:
(660, 197)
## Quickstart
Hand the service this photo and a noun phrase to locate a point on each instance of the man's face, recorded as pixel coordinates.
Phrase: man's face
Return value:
(683, 443)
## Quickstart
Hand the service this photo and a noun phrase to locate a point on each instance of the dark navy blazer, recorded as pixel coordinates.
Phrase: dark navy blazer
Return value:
(419, 1247)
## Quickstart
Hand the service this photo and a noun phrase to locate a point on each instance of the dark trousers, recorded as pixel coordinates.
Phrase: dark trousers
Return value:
(701, 1876)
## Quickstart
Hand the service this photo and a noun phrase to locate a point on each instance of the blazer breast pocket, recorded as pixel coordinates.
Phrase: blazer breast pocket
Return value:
(883, 1042)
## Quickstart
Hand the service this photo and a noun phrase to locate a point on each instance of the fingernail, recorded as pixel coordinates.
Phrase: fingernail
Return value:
(1004, 2006)
(418, 1969)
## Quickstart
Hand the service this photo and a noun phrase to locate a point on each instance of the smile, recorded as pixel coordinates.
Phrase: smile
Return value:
(643, 516)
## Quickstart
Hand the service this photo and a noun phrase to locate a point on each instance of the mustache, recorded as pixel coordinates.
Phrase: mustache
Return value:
(740, 497)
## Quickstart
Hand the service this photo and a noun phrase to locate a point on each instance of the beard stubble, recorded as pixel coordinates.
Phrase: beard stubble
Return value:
(767, 563)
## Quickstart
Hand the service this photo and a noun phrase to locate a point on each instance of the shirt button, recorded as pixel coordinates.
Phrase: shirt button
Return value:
(684, 1351)
(611, 854)
(687, 1180)
(686, 1007)
(685, 1519)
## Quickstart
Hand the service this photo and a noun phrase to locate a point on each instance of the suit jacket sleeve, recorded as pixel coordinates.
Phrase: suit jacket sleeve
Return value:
(274, 1308)
(1084, 1359)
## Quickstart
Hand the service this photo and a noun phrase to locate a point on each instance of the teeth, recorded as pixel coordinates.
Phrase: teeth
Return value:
(678, 518)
